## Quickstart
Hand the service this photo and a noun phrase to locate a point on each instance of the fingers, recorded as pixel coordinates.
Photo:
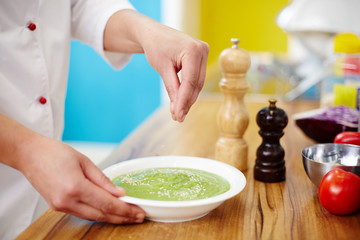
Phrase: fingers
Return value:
(85, 211)
(171, 52)
(96, 176)
(108, 208)
(93, 196)
(193, 76)
(88, 201)
(172, 84)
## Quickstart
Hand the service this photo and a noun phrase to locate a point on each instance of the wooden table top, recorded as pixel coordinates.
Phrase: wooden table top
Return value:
(285, 210)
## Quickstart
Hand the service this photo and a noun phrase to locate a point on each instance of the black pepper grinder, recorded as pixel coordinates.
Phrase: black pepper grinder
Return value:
(270, 163)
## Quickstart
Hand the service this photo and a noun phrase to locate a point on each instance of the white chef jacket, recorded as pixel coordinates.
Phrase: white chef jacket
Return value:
(34, 58)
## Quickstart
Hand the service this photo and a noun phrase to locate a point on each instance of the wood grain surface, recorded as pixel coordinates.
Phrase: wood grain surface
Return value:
(286, 210)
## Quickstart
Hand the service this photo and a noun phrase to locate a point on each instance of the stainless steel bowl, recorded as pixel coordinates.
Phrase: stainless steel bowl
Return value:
(321, 158)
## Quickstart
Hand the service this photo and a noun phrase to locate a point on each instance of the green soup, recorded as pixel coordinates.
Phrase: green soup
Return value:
(172, 184)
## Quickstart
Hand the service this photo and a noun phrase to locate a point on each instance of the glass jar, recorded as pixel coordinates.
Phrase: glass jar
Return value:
(343, 86)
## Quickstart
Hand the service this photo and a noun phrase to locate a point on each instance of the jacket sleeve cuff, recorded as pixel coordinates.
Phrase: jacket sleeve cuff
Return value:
(89, 19)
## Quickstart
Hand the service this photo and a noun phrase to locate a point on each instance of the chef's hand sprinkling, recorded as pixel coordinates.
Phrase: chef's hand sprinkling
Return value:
(167, 50)
(181, 63)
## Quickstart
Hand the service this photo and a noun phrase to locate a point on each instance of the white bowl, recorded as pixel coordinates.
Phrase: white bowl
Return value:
(179, 211)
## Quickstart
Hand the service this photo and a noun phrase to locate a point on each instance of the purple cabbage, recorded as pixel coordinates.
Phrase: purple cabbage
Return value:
(322, 125)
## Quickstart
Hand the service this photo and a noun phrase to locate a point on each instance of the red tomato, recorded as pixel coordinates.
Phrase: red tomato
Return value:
(348, 138)
(339, 192)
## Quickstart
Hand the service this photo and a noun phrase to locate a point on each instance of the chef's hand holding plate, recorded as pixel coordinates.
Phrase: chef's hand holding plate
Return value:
(67, 179)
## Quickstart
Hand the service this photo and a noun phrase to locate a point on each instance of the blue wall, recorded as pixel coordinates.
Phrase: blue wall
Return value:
(105, 105)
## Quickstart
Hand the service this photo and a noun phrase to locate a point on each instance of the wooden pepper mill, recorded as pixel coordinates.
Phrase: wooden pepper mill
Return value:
(233, 118)
(270, 163)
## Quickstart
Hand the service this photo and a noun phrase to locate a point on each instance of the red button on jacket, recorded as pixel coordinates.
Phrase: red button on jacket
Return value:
(32, 26)
(42, 100)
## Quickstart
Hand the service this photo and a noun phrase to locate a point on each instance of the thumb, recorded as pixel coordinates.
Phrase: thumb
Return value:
(96, 176)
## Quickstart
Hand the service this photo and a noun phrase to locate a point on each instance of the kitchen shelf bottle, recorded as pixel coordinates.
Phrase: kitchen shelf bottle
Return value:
(342, 87)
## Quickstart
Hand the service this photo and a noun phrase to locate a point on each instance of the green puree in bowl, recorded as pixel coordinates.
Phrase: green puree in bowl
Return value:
(172, 184)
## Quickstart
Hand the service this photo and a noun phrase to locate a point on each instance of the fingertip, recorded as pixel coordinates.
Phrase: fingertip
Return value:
(140, 217)
(181, 116)
(121, 191)
(172, 109)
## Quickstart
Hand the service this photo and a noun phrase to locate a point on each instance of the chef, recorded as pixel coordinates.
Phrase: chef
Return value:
(35, 166)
